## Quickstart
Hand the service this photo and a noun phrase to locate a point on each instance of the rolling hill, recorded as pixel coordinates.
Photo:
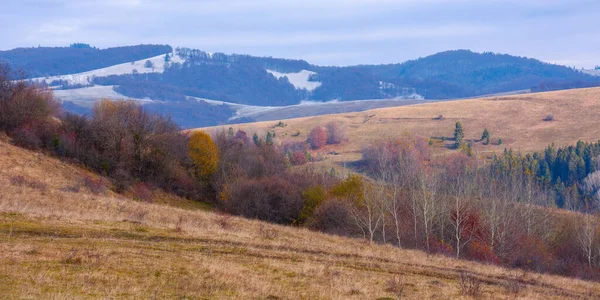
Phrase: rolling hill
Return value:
(65, 235)
(171, 81)
(516, 119)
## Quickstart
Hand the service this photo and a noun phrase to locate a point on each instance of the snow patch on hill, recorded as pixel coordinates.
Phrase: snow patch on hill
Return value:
(85, 78)
(299, 80)
(594, 72)
(87, 96)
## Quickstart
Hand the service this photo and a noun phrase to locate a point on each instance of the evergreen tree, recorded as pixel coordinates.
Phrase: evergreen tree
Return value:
(485, 137)
(148, 65)
(256, 140)
(230, 132)
(458, 135)
(269, 139)
(167, 57)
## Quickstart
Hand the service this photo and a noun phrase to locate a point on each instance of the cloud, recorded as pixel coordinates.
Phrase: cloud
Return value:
(328, 31)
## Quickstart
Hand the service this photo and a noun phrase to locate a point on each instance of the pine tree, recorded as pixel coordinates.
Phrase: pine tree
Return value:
(256, 140)
(230, 132)
(167, 58)
(269, 139)
(485, 137)
(458, 135)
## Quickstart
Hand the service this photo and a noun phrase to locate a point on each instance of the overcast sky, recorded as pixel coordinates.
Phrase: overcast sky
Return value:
(326, 32)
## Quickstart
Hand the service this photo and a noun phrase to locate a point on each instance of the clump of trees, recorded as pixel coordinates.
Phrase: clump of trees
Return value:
(454, 205)
(331, 134)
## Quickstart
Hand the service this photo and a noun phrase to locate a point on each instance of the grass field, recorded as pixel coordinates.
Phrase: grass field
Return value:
(64, 238)
(516, 119)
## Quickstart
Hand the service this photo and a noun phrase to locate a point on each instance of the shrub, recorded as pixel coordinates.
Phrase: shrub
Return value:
(312, 197)
(142, 192)
(95, 186)
(335, 135)
(332, 217)
(317, 138)
(17, 180)
(26, 136)
(548, 118)
(267, 233)
(480, 251)
(274, 199)
(470, 285)
(25, 104)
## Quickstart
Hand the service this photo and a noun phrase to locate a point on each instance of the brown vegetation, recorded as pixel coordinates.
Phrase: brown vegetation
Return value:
(60, 244)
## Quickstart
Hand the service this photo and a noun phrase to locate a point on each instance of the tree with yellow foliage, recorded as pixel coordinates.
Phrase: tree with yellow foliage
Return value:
(204, 154)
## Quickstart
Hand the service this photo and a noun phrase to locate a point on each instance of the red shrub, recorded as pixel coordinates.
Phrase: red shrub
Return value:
(142, 192)
(298, 158)
(26, 136)
(441, 247)
(531, 254)
(317, 138)
(482, 252)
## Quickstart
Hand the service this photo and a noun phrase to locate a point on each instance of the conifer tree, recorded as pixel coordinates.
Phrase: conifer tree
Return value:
(256, 140)
(458, 135)
(485, 137)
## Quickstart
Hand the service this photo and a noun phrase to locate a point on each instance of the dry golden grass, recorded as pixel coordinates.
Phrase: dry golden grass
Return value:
(56, 243)
(517, 119)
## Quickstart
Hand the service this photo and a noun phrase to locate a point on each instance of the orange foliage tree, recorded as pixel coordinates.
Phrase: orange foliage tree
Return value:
(317, 138)
(204, 154)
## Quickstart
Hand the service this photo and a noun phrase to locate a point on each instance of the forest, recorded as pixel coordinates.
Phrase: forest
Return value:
(77, 58)
(501, 210)
(450, 74)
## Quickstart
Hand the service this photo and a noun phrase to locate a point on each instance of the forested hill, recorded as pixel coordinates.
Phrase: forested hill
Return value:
(463, 73)
(251, 80)
(49, 61)
(171, 76)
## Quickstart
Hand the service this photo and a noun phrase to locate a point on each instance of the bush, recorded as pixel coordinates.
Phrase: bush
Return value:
(142, 192)
(27, 137)
(331, 217)
(317, 138)
(274, 199)
(25, 105)
(548, 118)
(335, 135)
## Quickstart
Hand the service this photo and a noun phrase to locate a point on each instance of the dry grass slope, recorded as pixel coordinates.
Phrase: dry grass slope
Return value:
(60, 242)
(516, 119)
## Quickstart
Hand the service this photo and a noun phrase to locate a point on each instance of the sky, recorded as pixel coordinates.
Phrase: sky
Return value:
(324, 32)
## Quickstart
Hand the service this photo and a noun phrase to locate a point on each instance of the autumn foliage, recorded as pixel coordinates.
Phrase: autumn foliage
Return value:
(204, 154)
(317, 138)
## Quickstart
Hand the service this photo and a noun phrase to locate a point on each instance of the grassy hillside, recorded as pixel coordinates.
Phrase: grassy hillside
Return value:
(517, 120)
(64, 235)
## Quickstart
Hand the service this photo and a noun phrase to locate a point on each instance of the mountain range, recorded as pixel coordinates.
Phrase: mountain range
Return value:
(198, 88)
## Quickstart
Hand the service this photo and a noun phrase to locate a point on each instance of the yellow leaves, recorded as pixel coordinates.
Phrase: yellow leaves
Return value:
(204, 154)
(351, 188)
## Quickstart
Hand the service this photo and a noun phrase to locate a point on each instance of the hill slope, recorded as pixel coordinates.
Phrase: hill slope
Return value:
(50, 61)
(61, 240)
(516, 119)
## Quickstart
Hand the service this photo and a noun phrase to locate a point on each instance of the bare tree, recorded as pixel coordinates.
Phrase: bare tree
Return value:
(366, 211)
(586, 237)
